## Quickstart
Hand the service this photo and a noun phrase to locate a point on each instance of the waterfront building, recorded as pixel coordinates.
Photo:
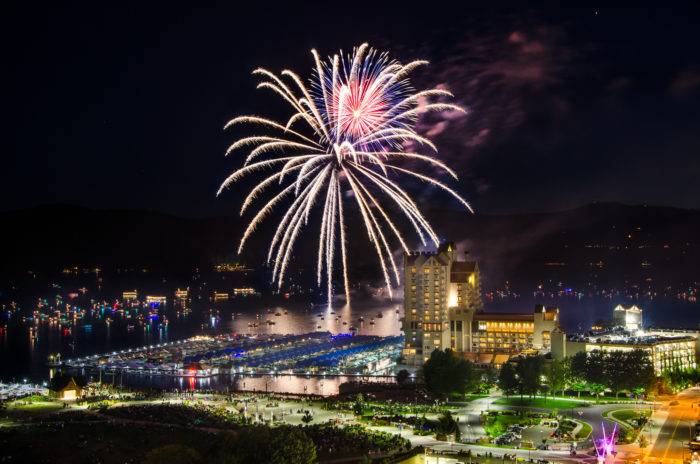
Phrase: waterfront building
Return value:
(220, 296)
(628, 318)
(429, 290)
(669, 348)
(245, 291)
(130, 295)
(513, 332)
(443, 309)
(666, 352)
(156, 299)
(181, 294)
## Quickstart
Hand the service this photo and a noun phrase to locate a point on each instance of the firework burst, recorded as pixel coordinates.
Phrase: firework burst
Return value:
(347, 132)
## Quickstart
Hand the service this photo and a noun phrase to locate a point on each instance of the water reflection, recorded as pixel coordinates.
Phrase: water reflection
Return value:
(25, 346)
(301, 385)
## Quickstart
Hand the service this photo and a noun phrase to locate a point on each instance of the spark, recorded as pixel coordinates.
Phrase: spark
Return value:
(351, 122)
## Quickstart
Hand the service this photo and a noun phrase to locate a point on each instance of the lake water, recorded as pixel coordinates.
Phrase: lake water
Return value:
(24, 346)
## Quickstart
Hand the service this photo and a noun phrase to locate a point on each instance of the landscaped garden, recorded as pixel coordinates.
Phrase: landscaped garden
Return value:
(540, 402)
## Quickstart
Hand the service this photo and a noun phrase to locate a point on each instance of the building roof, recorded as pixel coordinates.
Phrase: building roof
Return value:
(619, 338)
(60, 382)
(418, 258)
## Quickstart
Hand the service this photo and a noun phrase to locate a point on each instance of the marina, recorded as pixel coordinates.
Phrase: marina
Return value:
(314, 353)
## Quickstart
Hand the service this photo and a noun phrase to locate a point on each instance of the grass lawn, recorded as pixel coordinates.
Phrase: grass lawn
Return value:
(584, 432)
(629, 414)
(538, 402)
(36, 407)
(603, 399)
(497, 425)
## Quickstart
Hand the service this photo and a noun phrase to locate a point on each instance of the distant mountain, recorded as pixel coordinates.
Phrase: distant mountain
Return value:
(603, 244)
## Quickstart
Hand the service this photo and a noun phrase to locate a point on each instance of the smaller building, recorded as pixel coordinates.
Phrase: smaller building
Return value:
(156, 299)
(66, 388)
(220, 296)
(130, 295)
(513, 332)
(244, 291)
(666, 352)
(629, 319)
(669, 349)
(181, 294)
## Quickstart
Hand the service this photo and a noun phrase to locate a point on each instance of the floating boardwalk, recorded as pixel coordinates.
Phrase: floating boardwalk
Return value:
(312, 353)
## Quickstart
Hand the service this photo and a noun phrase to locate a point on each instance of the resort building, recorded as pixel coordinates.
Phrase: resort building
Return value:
(156, 299)
(130, 295)
(443, 309)
(667, 352)
(434, 283)
(669, 348)
(220, 296)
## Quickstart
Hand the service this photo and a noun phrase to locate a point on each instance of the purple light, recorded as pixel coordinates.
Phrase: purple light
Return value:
(605, 446)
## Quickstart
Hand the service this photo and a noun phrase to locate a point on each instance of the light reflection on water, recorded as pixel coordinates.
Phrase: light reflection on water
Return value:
(301, 385)
(23, 355)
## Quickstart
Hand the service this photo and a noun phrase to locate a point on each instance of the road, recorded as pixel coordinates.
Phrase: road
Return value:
(672, 425)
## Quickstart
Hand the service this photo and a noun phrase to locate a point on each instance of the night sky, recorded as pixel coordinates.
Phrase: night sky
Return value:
(123, 107)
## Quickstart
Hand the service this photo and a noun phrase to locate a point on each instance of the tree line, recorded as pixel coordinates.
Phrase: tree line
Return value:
(594, 372)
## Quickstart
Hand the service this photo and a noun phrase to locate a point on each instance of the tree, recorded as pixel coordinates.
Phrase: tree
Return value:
(596, 389)
(279, 445)
(293, 447)
(596, 367)
(359, 406)
(579, 386)
(172, 454)
(616, 370)
(578, 364)
(529, 372)
(507, 379)
(445, 373)
(559, 374)
(402, 376)
(639, 371)
(447, 425)
(307, 417)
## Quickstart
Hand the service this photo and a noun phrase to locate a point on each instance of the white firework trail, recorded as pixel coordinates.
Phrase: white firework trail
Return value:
(358, 113)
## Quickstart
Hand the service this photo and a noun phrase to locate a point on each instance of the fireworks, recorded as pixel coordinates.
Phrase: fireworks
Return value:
(347, 133)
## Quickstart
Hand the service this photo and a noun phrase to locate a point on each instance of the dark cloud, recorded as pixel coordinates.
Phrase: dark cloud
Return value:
(685, 82)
